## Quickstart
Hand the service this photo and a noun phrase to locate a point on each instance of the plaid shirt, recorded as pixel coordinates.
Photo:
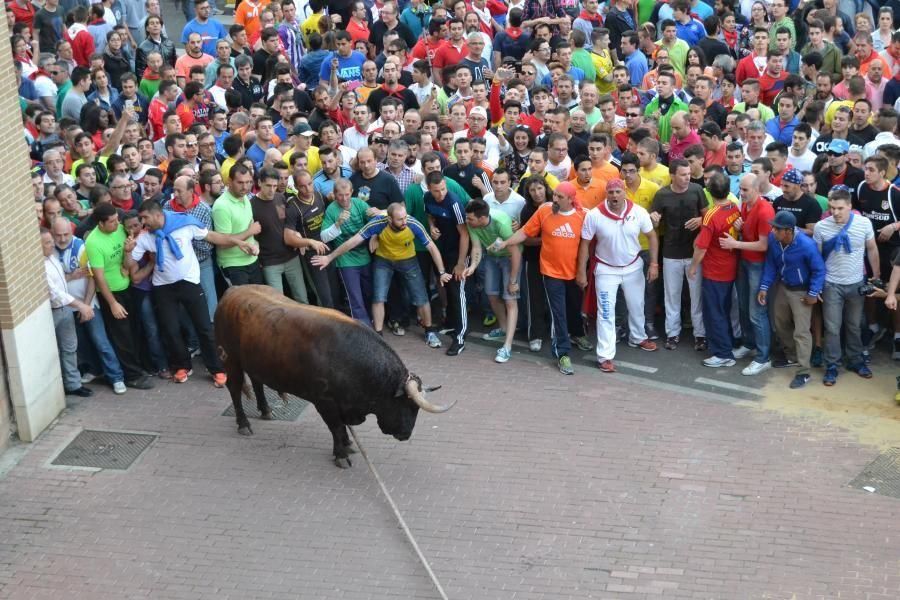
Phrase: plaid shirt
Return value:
(203, 213)
(405, 179)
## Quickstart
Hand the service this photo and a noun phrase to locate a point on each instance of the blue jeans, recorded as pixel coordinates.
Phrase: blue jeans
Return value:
(755, 326)
(151, 330)
(208, 283)
(92, 336)
(716, 297)
(410, 275)
(842, 308)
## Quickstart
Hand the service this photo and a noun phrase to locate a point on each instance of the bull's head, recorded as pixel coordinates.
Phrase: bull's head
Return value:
(400, 418)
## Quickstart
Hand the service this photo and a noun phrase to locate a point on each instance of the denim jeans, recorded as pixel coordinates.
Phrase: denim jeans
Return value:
(757, 332)
(843, 306)
(208, 283)
(383, 271)
(357, 282)
(67, 344)
(92, 336)
(150, 328)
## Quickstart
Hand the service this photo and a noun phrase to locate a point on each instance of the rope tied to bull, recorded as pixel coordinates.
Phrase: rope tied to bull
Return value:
(409, 535)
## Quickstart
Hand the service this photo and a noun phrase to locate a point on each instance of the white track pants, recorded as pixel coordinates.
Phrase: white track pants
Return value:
(607, 287)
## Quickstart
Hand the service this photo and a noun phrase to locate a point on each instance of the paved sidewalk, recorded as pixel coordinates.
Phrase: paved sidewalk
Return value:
(535, 486)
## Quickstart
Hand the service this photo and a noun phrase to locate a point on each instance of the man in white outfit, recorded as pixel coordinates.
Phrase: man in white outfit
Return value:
(615, 227)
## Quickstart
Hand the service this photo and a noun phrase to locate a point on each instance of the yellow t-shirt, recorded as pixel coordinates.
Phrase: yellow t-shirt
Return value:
(643, 197)
(225, 169)
(659, 175)
(395, 245)
(313, 164)
(310, 26)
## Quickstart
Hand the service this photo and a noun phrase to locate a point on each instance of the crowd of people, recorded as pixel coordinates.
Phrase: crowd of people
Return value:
(643, 172)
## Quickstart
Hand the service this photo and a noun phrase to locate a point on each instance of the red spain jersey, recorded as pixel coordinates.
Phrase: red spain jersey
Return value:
(718, 264)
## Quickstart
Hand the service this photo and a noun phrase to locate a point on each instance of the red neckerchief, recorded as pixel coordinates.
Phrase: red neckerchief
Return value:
(730, 38)
(604, 210)
(473, 135)
(595, 19)
(177, 207)
(514, 33)
(398, 90)
(128, 205)
(362, 131)
(38, 73)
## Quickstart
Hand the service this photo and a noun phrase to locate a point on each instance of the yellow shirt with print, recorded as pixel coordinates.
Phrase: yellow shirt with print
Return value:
(313, 163)
(395, 245)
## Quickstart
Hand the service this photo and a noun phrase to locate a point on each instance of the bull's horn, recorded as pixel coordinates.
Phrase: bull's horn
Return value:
(433, 388)
(412, 390)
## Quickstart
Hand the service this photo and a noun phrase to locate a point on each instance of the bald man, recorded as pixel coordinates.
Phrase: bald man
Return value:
(755, 224)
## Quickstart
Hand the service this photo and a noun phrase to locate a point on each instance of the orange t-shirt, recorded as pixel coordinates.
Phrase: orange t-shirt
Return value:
(185, 62)
(592, 195)
(247, 14)
(560, 236)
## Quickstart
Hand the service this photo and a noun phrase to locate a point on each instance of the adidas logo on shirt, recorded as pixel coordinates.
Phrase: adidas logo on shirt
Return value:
(564, 231)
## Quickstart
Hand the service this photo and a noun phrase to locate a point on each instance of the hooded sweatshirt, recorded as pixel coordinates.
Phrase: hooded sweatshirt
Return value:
(82, 44)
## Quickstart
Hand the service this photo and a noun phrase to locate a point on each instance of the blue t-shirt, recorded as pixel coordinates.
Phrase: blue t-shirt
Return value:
(349, 68)
(447, 215)
(256, 154)
(211, 32)
(574, 72)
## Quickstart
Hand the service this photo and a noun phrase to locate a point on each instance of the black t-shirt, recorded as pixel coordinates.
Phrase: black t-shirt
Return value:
(250, 92)
(376, 35)
(271, 215)
(805, 209)
(881, 208)
(306, 219)
(866, 134)
(675, 210)
(712, 48)
(49, 27)
(380, 191)
(463, 176)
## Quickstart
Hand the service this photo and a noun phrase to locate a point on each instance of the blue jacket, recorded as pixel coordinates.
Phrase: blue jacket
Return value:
(800, 264)
(783, 134)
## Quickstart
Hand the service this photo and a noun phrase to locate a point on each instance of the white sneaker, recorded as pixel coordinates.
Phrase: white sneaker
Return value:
(741, 352)
(535, 345)
(503, 355)
(119, 387)
(715, 362)
(88, 377)
(755, 368)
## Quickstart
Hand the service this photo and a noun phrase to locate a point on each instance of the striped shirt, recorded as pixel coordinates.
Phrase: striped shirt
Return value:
(203, 213)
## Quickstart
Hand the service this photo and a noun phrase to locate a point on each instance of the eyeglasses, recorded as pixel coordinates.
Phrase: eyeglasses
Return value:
(634, 115)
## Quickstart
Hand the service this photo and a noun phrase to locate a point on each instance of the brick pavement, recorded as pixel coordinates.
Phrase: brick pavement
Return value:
(534, 486)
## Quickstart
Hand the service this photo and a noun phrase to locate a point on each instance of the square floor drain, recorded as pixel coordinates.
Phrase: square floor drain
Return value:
(280, 411)
(882, 475)
(104, 449)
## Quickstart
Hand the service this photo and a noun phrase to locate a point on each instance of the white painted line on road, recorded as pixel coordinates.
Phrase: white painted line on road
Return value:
(623, 364)
(729, 386)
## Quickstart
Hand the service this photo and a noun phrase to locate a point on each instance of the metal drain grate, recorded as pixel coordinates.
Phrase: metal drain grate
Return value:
(882, 475)
(280, 412)
(104, 449)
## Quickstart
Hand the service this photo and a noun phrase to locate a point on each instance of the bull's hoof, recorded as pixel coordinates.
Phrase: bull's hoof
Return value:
(266, 416)
(245, 430)
(343, 463)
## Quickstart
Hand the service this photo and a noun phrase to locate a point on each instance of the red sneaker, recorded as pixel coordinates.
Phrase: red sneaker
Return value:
(219, 380)
(646, 345)
(181, 375)
(607, 366)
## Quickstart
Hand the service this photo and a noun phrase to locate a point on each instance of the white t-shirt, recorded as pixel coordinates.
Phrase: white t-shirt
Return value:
(618, 240)
(173, 270)
(804, 162)
(512, 206)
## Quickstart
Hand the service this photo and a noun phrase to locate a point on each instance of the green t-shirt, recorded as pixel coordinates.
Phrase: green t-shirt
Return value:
(104, 251)
(232, 215)
(500, 226)
(823, 202)
(582, 59)
(359, 256)
(61, 95)
(415, 203)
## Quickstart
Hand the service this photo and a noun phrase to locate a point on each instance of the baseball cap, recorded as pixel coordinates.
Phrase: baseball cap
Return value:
(303, 129)
(784, 220)
(838, 147)
(793, 176)
(478, 111)
(711, 129)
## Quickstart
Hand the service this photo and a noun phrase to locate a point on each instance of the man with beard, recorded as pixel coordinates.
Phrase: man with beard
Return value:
(805, 209)
(391, 88)
(305, 213)
(837, 171)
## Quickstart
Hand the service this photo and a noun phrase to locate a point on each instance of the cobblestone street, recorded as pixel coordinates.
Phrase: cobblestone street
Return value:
(533, 486)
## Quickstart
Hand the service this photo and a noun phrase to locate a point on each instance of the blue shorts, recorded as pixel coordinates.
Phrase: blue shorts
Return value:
(410, 275)
(496, 276)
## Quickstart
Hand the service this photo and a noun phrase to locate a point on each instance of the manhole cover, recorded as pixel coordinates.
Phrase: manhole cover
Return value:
(104, 449)
(280, 412)
(882, 475)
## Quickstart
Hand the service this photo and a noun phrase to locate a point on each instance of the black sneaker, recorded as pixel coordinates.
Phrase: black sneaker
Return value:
(783, 363)
(141, 383)
(651, 332)
(672, 342)
(700, 344)
(82, 392)
(456, 348)
(799, 381)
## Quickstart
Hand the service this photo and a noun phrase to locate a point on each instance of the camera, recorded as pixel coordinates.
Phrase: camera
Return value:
(870, 286)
